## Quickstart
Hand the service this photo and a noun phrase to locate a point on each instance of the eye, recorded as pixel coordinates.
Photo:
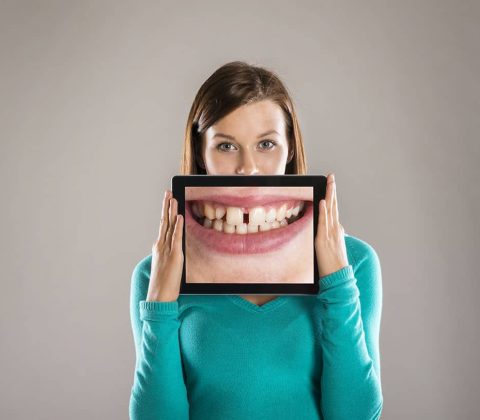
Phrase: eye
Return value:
(268, 141)
(219, 147)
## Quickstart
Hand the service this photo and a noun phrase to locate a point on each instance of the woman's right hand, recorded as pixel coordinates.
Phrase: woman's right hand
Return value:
(167, 254)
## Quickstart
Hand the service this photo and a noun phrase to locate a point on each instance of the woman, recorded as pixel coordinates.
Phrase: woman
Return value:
(255, 356)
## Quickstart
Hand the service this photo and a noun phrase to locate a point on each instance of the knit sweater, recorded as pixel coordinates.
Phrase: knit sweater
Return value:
(295, 357)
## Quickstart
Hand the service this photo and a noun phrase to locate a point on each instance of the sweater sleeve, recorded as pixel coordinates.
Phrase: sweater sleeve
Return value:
(158, 390)
(350, 307)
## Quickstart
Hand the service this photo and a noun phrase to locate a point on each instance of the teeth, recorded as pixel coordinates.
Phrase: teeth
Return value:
(264, 227)
(231, 219)
(256, 216)
(241, 229)
(228, 228)
(270, 215)
(234, 215)
(219, 212)
(281, 212)
(218, 225)
(209, 211)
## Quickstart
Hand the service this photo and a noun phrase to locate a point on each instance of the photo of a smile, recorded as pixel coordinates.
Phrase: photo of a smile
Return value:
(248, 220)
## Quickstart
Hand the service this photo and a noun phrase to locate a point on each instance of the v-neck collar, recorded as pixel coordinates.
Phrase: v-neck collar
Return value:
(268, 306)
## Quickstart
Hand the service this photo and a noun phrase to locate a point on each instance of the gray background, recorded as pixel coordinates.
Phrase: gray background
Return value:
(94, 98)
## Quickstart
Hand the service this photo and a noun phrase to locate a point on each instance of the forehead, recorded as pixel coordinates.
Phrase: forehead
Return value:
(250, 120)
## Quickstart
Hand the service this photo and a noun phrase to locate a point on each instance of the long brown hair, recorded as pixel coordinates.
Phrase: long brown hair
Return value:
(232, 85)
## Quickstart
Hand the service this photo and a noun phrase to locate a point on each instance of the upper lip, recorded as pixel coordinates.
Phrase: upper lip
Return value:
(248, 200)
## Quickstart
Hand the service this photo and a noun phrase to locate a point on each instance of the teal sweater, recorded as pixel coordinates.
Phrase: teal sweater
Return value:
(295, 357)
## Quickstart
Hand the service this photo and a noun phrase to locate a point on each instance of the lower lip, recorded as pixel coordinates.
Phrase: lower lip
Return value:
(249, 243)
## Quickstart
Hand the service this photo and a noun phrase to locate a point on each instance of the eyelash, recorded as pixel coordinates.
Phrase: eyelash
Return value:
(263, 141)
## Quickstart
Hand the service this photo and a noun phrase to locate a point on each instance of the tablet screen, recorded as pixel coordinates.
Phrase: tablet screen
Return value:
(250, 234)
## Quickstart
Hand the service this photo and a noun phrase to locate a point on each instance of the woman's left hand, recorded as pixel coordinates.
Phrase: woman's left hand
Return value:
(330, 246)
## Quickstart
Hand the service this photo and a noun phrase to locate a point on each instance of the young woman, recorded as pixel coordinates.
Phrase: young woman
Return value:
(254, 356)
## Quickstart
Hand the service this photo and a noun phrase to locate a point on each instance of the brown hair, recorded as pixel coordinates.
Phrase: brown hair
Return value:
(232, 85)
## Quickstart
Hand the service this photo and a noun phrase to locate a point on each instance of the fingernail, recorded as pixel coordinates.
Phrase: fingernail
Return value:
(333, 177)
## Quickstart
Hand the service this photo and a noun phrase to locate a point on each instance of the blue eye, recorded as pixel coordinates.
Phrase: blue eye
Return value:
(221, 144)
(269, 141)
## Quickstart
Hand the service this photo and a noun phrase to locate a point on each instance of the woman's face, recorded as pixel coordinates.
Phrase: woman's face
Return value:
(251, 140)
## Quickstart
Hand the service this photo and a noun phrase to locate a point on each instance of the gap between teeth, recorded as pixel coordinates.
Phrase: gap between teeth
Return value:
(231, 219)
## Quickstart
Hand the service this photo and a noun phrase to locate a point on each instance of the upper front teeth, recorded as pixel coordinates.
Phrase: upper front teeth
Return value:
(234, 215)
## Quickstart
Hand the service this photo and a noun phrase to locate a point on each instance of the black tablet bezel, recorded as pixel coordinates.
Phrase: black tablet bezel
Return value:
(318, 182)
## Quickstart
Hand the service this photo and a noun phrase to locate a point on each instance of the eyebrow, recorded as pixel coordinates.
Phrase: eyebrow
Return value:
(233, 138)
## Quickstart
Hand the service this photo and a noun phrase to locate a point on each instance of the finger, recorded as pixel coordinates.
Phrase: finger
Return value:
(164, 218)
(172, 215)
(177, 235)
(326, 218)
(322, 220)
(335, 205)
(330, 193)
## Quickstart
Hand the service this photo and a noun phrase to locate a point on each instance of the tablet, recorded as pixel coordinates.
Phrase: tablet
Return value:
(249, 234)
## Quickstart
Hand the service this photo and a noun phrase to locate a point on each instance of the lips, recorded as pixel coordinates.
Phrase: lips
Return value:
(250, 243)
